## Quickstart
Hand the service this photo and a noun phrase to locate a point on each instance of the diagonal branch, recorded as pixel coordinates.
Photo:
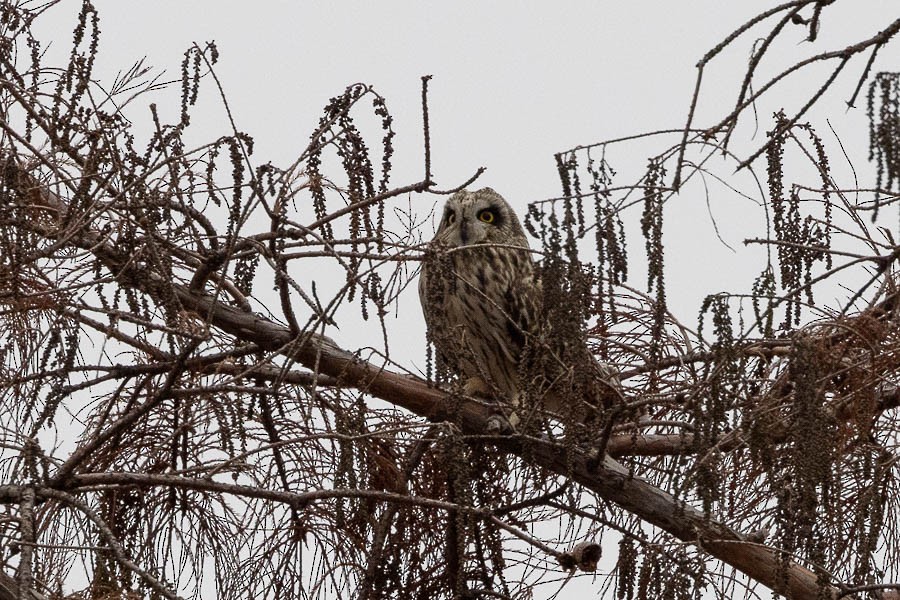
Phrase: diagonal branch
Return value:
(609, 479)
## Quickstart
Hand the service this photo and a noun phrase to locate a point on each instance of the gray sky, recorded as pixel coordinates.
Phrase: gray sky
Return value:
(513, 83)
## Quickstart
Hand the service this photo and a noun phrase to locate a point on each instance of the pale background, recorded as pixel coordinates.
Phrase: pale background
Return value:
(513, 83)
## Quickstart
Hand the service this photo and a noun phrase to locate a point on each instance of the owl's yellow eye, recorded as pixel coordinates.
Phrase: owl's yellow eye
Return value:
(451, 216)
(486, 216)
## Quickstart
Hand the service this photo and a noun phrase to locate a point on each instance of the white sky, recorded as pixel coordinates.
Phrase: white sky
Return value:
(513, 83)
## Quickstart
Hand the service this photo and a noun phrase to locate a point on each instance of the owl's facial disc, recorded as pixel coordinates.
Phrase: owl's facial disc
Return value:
(471, 224)
(449, 216)
(480, 217)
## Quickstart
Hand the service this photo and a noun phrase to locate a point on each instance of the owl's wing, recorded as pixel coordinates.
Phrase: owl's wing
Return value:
(561, 345)
(521, 304)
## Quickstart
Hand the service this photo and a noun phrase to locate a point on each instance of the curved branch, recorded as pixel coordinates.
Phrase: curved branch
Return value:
(609, 479)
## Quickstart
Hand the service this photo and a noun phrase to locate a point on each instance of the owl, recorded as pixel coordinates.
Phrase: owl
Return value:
(481, 296)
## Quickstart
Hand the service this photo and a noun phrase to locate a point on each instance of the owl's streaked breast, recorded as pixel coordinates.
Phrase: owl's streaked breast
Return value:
(483, 303)
(480, 309)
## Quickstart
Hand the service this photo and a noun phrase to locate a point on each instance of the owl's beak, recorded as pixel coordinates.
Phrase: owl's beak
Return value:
(464, 230)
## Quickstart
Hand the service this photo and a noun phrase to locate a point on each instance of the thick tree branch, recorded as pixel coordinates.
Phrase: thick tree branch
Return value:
(608, 479)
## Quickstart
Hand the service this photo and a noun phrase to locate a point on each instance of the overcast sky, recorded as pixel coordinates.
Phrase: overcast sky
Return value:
(513, 83)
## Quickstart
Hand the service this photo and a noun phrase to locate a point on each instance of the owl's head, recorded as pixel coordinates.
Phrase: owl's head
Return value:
(480, 217)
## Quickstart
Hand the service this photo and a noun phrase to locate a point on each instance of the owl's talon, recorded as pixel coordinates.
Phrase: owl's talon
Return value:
(497, 425)
(594, 458)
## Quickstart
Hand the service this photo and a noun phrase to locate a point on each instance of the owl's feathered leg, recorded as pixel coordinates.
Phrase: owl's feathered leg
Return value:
(476, 386)
(497, 424)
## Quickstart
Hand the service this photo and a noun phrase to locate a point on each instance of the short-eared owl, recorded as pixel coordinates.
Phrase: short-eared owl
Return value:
(481, 296)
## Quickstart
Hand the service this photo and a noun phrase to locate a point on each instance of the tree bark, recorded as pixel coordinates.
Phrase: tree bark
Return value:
(609, 479)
